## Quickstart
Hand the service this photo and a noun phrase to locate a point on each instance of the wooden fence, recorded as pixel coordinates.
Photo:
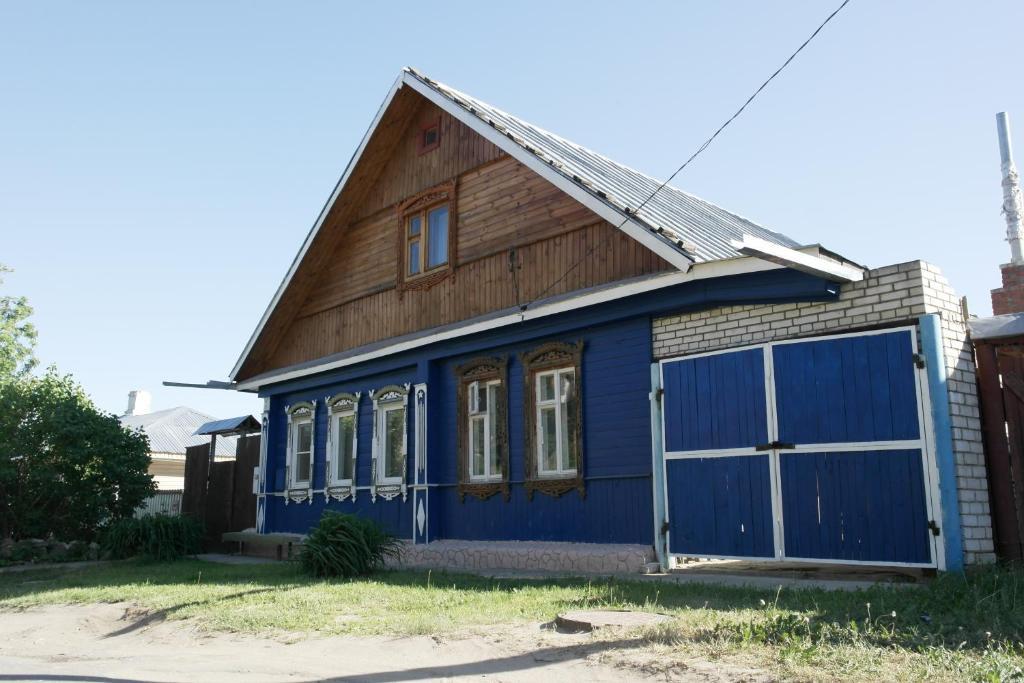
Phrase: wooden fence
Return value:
(222, 497)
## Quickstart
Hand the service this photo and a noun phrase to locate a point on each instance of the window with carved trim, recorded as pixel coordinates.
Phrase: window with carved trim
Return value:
(554, 416)
(299, 460)
(427, 243)
(342, 445)
(482, 428)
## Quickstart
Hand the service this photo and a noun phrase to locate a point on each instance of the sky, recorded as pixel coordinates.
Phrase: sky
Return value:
(161, 163)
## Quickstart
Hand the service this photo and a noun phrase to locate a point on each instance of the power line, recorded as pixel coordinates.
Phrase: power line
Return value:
(693, 156)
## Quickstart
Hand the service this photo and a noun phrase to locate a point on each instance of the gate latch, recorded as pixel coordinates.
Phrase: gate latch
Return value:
(934, 527)
(664, 527)
(919, 360)
(780, 445)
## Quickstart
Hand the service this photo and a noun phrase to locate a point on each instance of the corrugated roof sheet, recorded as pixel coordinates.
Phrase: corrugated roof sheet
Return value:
(700, 229)
(174, 429)
(246, 424)
(1008, 325)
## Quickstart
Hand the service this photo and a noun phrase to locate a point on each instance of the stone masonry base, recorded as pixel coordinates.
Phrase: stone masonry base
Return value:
(580, 558)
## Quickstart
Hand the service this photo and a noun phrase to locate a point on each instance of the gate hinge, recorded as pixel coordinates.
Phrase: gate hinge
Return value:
(919, 360)
(658, 393)
(934, 527)
(664, 527)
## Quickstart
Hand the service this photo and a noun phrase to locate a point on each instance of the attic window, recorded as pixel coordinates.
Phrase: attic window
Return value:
(427, 237)
(429, 138)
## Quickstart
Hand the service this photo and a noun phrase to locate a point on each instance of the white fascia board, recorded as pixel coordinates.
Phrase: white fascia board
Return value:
(640, 233)
(700, 271)
(396, 86)
(797, 260)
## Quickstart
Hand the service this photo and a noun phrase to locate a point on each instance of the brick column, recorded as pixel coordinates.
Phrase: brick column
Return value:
(1010, 297)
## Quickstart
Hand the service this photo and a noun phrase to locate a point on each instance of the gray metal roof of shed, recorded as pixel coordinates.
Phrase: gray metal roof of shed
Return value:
(702, 230)
(244, 424)
(996, 326)
(174, 429)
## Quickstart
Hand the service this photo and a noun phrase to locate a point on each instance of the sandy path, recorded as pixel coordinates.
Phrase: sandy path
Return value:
(115, 643)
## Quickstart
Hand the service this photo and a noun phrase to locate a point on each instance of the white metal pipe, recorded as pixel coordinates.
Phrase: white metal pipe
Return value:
(1013, 204)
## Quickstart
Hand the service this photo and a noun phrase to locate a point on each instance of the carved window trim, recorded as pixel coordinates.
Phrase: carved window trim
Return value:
(385, 400)
(467, 374)
(552, 356)
(340, 406)
(419, 205)
(299, 414)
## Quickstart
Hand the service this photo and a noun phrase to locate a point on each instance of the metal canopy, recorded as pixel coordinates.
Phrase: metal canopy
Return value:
(1009, 325)
(232, 426)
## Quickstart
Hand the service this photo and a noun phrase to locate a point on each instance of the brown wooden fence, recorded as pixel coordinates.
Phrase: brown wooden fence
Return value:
(1001, 390)
(221, 498)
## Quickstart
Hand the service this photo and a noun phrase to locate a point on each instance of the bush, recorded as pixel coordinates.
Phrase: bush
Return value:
(153, 537)
(346, 545)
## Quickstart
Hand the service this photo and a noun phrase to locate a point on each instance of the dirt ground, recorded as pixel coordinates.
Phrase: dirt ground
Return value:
(117, 643)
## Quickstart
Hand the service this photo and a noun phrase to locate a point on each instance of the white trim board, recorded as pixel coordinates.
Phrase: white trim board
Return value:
(700, 271)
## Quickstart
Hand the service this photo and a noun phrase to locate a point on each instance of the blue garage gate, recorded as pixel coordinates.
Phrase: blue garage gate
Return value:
(813, 449)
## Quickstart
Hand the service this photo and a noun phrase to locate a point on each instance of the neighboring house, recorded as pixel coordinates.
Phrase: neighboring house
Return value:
(170, 432)
(493, 334)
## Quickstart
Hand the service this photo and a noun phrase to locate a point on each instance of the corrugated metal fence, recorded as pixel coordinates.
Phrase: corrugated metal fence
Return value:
(162, 503)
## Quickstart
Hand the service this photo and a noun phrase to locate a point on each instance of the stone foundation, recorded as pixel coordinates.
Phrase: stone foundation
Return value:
(577, 558)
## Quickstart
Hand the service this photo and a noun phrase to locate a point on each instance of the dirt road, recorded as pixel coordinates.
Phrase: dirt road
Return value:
(118, 644)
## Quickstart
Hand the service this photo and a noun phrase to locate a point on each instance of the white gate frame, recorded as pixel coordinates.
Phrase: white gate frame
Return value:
(925, 443)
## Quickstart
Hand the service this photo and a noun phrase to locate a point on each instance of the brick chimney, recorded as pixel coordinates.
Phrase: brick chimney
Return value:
(1010, 297)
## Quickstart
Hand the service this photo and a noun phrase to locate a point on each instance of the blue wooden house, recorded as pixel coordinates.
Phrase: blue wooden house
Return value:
(493, 334)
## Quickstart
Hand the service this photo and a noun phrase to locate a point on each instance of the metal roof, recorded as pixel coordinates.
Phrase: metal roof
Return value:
(1009, 325)
(245, 424)
(699, 229)
(174, 429)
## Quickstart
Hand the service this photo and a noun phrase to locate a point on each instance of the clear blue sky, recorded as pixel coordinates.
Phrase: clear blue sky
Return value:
(161, 163)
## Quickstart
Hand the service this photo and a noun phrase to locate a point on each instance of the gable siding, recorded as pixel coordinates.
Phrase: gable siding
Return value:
(500, 206)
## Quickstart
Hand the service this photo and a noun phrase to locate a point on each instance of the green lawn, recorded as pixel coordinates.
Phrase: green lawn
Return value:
(956, 628)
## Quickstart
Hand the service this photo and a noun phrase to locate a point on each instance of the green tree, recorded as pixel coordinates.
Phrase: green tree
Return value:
(66, 468)
(17, 335)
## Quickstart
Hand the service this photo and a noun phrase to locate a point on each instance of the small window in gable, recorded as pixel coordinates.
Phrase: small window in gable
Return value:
(427, 243)
(429, 137)
(482, 428)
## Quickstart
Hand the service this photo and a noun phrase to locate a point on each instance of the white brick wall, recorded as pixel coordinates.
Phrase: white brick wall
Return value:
(889, 295)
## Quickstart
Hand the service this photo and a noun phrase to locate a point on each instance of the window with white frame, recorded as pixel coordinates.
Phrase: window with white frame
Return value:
(342, 435)
(556, 399)
(484, 459)
(482, 428)
(390, 412)
(554, 419)
(300, 445)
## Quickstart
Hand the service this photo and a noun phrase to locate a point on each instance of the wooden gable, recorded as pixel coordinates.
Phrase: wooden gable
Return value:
(515, 235)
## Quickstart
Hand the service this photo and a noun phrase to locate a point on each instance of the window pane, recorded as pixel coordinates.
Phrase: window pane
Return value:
(476, 446)
(437, 236)
(548, 440)
(570, 431)
(394, 431)
(301, 466)
(346, 427)
(414, 225)
(492, 418)
(547, 387)
(305, 440)
(414, 257)
(481, 398)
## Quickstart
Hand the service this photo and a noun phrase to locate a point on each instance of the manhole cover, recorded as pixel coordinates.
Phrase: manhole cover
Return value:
(590, 619)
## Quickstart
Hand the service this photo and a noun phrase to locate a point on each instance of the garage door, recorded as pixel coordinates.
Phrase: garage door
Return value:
(804, 450)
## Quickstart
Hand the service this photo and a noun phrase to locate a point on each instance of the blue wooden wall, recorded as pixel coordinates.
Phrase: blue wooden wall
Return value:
(616, 442)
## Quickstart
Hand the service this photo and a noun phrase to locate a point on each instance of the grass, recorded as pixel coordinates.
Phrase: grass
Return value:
(956, 628)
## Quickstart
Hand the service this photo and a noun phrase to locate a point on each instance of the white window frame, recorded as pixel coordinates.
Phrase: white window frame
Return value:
(561, 415)
(338, 407)
(300, 414)
(490, 440)
(386, 401)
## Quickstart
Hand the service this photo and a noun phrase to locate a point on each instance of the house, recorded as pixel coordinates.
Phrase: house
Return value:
(170, 432)
(494, 335)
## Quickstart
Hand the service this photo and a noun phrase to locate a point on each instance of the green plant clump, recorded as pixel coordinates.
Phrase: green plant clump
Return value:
(346, 545)
(153, 537)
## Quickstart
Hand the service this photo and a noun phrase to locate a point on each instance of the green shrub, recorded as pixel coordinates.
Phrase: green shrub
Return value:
(346, 545)
(153, 537)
